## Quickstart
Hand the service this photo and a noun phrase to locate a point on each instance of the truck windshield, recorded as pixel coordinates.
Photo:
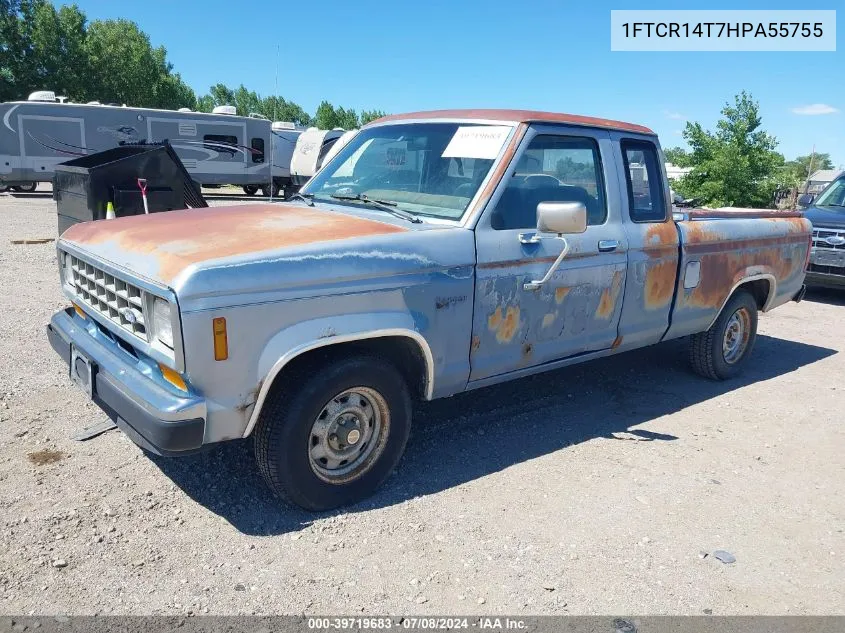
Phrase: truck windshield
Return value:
(428, 169)
(833, 196)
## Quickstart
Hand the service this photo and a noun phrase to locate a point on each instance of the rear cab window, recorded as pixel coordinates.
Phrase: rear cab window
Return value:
(644, 178)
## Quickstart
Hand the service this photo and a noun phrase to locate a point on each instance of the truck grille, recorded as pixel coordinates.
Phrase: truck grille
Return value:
(821, 236)
(116, 300)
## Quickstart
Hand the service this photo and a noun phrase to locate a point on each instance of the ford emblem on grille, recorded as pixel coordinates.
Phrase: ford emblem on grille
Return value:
(131, 315)
(835, 240)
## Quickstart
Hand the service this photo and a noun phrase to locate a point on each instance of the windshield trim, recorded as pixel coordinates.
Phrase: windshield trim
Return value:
(471, 213)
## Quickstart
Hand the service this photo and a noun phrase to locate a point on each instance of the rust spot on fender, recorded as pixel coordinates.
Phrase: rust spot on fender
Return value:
(504, 326)
(178, 239)
(616, 342)
(560, 294)
(660, 283)
(476, 343)
(607, 302)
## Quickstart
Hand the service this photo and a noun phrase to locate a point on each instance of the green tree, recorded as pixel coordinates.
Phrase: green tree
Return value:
(677, 156)
(370, 115)
(796, 172)
(326, 117)
(735, 165)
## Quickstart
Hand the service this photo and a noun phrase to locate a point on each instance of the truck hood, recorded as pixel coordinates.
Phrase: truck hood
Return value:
(162, 246)
(833, 217)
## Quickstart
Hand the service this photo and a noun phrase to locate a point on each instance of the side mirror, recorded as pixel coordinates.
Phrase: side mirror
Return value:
(806, 199)
(561, 217)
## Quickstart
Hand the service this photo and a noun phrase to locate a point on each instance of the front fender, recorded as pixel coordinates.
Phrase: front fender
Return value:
(305, 336)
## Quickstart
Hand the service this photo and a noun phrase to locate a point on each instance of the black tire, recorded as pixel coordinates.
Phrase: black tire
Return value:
(27, 188)
(707, 349)
(250, 190)
(276, 190)
(284, 434)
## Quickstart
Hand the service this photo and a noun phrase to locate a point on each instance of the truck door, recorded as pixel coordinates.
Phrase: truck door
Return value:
(652, 240)
(577, 310)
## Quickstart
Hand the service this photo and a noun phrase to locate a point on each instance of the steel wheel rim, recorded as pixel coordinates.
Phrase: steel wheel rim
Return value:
(737, 333)
(348, 435)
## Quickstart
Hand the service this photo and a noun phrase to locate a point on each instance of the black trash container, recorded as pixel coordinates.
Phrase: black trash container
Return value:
(82, 187)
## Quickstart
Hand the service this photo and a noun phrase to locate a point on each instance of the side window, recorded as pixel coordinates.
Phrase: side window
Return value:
(221, 143)
(257, 145)
(553, 169)
(646, 199)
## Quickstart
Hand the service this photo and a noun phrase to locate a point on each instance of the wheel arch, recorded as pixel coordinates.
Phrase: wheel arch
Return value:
(763, 287)
(358, 341)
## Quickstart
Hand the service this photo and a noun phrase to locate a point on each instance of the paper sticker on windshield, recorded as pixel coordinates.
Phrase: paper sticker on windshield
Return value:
(477, 141)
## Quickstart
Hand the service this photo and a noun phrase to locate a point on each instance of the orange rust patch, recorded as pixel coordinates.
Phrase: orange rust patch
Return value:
(495, 319)
(505, 327)
(607, 303)
(177, 239)
(509, 326)
(560, 294)
(616, 342)
(524, 116)
(476, 343)
(662, 234)
(721, 271)
(660, 284)
(697, 234)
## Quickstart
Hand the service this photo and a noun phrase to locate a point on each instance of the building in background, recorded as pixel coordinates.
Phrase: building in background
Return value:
(821, 178)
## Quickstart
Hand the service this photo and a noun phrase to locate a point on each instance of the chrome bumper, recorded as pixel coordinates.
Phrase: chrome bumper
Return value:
(154, 416)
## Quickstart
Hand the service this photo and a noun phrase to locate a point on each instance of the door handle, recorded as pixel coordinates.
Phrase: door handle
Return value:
(606, 246)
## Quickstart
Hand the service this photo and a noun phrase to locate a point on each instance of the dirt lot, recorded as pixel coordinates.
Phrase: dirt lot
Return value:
(591, 490)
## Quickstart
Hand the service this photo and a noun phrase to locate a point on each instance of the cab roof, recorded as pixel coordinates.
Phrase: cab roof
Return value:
(519, 116)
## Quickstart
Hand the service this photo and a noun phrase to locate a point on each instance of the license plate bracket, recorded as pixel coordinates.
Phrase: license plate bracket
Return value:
(82, 371)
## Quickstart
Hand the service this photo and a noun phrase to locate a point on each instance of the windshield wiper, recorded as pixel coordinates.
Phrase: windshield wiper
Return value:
(307, 197)
(384, 205)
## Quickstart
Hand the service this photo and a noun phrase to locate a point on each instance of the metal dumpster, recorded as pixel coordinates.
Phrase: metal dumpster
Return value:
(83, 187)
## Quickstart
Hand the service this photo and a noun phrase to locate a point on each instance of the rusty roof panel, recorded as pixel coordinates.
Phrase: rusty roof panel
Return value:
(170, 242)
(519, 116)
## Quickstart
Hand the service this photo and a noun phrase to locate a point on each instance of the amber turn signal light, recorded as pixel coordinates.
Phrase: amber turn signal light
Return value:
(221, 342)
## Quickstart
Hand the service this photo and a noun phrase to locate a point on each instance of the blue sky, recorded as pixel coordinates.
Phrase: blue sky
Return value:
(535, 54)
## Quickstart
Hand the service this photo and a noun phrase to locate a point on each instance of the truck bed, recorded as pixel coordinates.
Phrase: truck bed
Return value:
(721, 250)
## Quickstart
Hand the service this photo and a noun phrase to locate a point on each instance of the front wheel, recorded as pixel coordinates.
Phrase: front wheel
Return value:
(25, 188)
(721, 352)
(250, 190)
(330, 436)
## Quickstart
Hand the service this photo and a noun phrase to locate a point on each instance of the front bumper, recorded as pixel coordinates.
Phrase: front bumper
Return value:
(826, 280)
(154, 416)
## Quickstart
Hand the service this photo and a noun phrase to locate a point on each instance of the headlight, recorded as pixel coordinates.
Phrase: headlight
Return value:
(162, 324)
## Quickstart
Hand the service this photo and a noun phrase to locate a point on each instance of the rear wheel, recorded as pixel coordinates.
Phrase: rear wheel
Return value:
(722, 351)
(330, 436)
(27, 187)
(275, 189)
(250, 190)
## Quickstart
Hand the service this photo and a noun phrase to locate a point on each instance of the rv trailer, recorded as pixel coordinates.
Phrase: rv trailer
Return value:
(312, 147)
(220, 148)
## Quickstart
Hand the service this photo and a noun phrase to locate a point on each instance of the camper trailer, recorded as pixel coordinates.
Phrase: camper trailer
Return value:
(216, 149)
(312, 147)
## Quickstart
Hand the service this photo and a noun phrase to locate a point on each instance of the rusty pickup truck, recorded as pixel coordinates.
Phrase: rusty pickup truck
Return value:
(435, 253)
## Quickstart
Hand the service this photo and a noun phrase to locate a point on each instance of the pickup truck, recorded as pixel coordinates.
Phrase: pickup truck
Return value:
(435, 253)
(827, 256)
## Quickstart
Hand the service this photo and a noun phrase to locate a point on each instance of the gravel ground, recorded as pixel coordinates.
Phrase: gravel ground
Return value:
(603, 488)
